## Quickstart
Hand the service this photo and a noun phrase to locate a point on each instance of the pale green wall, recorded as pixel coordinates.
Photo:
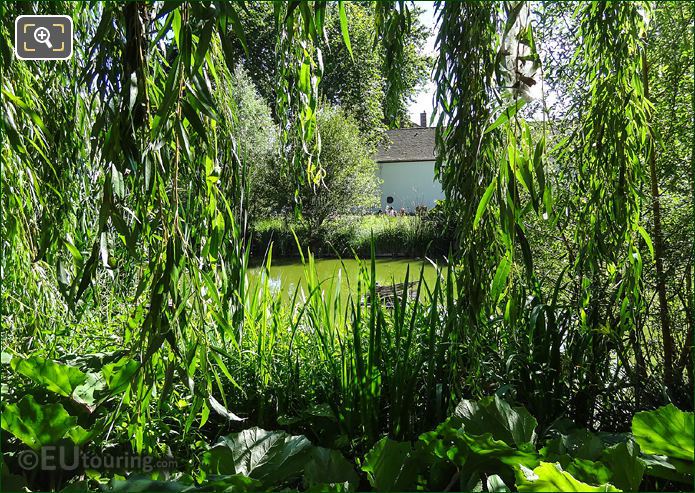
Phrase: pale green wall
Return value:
(410, 184)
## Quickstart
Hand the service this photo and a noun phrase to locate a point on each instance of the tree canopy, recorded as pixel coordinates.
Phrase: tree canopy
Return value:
(354, 79)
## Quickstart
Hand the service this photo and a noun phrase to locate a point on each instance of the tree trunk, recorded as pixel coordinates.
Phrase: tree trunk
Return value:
(666, 335)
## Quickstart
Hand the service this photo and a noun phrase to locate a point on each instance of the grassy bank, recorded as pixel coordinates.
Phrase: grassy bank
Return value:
(408, 236)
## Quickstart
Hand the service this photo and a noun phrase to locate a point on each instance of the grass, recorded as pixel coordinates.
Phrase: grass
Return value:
(370, 365)
(413, 236)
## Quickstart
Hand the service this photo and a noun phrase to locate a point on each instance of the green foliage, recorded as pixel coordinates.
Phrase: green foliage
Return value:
(458, 452)
(588, 458)
(348, 182)
(589, 471)
(355, 78)
(253, 127)
(551, 477)
(390, 466)
(493, 415)
(396, 29)
(613, 170)
(410, 236)
(273, 458)
(626, 466)
(328, 467)
(119, 375)
(668, 432)
(128, 178)
(484, 439)
(474, 454)
(668, 61)
(356, 82)
(270, 457)
(56, 377)
(38, 425)
(464, 149)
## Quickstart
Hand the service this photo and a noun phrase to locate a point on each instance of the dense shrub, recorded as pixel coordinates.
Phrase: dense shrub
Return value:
(349, 181)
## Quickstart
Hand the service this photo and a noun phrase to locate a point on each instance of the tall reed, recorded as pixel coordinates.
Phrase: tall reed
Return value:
(380, 367)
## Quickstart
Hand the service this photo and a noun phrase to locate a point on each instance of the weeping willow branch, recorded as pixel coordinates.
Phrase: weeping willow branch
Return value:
(299, 68)
(609, 150)
(465, 71)
(392, 22)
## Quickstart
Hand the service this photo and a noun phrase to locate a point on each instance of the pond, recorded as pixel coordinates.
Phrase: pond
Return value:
(286, 273)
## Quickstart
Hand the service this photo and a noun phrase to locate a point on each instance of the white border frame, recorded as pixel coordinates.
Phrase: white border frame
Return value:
(72, 38)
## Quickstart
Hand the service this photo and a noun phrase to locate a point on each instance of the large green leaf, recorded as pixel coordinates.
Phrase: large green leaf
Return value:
(56, 377)
(37, 425)
(625, 464)
(550, 477)
(119, 375)
(389, 466)
(661, 466)
(328, 467)
(589, 471)
(666, 431)
(514, 426)
(271, 457)
(583, 444)
(578, 444)
(460, 447)
(474, 455)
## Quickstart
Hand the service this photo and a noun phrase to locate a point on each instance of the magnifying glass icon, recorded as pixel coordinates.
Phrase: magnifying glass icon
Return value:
(43, 35)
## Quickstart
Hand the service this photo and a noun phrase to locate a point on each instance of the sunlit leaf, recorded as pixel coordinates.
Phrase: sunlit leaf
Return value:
(666, 431)
(118, 375)
(484, 202)
(56, 377)
(344, 26)
(551, 477)
(35, 424)
(506, 115)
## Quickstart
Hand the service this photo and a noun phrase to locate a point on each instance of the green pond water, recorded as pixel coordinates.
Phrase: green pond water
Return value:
(287, 274)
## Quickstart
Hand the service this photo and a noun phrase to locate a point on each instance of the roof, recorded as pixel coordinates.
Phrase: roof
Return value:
(407, 144)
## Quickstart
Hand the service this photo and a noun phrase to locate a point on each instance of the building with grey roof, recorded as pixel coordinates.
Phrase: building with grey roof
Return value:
(406, 167)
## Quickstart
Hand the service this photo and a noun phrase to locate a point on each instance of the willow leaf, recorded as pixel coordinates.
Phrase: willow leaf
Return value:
(507, 114)
(483, 203)
(203, 45)
(647, 239)
(344, 26)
